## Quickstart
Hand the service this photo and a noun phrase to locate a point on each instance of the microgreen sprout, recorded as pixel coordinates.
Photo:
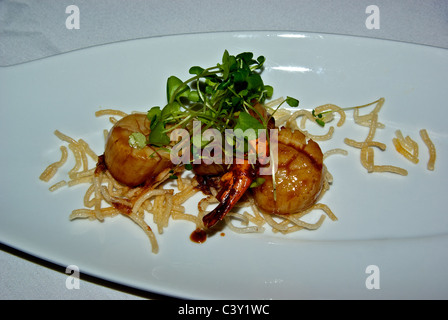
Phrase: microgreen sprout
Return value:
(220, 97)
(172, 176)
(319, 116)
(292, 102)
(257, 182)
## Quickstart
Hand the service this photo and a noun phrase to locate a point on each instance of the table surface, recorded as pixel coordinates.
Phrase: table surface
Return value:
(32, 30)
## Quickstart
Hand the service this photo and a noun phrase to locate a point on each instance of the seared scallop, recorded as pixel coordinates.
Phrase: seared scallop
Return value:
(299, 179)
(129, 165)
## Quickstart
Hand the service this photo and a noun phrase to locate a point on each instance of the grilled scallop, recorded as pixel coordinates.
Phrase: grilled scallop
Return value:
(299, 179)
(129, 165)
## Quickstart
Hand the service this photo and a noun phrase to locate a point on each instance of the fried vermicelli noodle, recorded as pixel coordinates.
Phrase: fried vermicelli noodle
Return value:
(152, 206)
(106, 198)
(431, 149)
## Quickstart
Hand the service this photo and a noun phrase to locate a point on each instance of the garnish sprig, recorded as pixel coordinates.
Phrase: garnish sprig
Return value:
(220, 96)
(319, 117)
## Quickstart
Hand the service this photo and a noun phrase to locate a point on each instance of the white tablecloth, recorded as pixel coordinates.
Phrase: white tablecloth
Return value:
(31, 29)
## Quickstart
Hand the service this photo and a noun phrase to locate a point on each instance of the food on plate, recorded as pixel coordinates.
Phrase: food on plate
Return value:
(299, 179)
(406, 146)
(245, 162)
(129, 165)
(367, 156)
(431, 149)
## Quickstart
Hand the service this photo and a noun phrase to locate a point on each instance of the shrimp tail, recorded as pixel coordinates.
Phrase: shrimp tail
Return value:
(234, 184)
(240, 176)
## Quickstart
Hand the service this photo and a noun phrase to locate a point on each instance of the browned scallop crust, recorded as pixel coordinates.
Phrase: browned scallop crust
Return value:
(128, 165)
(299, 179)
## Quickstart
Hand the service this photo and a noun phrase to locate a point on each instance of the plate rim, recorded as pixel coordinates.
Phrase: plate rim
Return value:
(260, 32)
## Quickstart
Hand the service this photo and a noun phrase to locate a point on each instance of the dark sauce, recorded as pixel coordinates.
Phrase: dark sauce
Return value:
(198, 236)
(207, 182)
(124, 209)
(101, 165)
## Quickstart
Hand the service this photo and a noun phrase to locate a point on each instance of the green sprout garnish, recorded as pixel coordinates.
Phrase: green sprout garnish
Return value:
(319, 117)
(172, 176)
(137, 140)
(220, 96)
(257, 182)
(292, 102)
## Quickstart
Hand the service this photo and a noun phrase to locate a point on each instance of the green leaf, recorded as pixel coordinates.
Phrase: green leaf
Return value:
(219, 96)
(157, 136)
(318, 117)
(254, 81)
(232, 64)
(246, 57)
(258, 182)
(224, 85)
(292, 102)
(261, 60)
(177, 87)
(211, 80)
(240, 75)
(208, 90)
(269, 90)
(225, 66)
(169, 110)
(245, 93)
(196, 70)
(153, 116)
(320, 122)
(246, 121)
(199, 143)
(194, 95)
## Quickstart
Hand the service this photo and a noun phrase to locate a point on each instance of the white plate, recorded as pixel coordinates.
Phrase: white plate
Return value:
(399, 224)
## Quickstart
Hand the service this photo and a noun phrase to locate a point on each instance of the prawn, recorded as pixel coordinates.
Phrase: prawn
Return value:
(299, 179)
(235, 182)
(240, 176)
